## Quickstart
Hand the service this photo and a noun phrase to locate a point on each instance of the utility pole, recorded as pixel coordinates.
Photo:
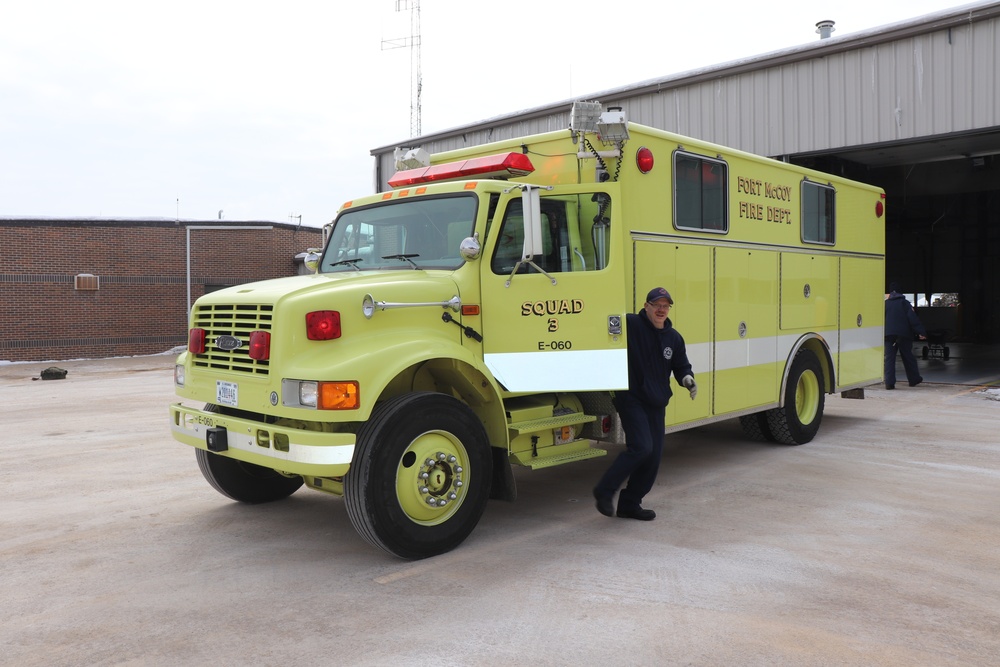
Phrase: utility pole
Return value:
(413, 43)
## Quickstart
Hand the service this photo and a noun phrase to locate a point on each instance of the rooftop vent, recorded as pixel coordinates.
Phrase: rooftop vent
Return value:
(824, 29)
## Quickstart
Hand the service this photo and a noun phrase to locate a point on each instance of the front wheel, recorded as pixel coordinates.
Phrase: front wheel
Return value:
(241, 481)
(421, 475)
(797, 421)
(245, 482)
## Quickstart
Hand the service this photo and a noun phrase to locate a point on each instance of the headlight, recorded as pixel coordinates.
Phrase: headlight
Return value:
(179, 375)
(307, 393)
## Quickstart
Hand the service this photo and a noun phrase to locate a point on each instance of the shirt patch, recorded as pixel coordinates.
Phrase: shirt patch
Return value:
(668, 353)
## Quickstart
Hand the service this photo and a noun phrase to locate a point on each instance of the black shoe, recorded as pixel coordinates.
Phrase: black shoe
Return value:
(636, 513)
(604, 504)
(890, 386)
(914, 384)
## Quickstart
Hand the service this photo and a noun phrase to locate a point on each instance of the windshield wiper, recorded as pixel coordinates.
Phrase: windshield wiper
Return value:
(352, 262)
(404, 258)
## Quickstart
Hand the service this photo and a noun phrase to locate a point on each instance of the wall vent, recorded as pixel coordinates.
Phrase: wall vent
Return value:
(86, 281)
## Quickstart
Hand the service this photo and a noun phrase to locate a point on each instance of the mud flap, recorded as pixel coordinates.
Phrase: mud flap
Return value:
(503, 487)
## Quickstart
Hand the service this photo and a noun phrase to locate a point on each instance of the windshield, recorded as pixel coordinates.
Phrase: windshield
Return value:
(421, 233)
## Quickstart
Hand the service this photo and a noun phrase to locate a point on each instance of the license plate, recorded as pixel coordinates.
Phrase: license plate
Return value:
(227, 393)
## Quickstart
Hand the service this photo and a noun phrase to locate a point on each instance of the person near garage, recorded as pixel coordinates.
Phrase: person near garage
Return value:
(655, 351)
(901, 326)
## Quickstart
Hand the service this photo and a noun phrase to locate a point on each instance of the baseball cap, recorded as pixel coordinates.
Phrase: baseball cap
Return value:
(659, 293)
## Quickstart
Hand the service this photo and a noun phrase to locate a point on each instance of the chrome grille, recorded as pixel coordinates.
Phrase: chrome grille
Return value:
(238, 321)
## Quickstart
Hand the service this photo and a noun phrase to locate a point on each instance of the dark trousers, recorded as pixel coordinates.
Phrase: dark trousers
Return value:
(639, 463)
(905, 346)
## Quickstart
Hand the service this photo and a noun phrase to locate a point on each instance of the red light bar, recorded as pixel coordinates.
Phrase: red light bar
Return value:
(502, 165)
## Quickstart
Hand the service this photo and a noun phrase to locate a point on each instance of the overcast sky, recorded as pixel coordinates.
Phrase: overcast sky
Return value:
(269, 110)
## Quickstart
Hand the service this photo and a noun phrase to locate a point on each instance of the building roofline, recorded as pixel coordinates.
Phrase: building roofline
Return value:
(78, 221)
(942, 20)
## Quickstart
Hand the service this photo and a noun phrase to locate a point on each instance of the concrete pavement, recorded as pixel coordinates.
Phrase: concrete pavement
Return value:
(876, 544)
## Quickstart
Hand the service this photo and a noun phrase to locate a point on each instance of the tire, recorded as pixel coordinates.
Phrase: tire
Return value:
(415, 450)
(797, 421)
(755, 427)
(245, 482)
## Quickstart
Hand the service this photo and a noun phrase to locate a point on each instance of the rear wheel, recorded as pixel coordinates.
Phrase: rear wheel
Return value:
(755, 427)
(797, 421)
(421, 475)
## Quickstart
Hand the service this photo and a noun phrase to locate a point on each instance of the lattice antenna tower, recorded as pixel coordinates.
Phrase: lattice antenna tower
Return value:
(413, 43)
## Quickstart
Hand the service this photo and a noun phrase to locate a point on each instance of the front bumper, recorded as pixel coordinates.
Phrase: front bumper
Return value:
(289, 450)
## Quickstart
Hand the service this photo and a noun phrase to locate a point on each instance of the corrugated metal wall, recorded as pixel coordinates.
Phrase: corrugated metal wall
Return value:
(933, 76)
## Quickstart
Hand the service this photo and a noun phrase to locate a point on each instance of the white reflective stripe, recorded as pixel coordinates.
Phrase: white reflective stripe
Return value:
(567, 370)
(700, 357)
(730, 354)
(308, 454)
(852, 340)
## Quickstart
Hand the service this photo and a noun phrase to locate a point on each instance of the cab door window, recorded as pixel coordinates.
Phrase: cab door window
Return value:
(574, 235)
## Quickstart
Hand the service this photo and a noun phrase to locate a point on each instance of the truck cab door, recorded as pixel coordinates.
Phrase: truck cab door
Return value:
(553, 308)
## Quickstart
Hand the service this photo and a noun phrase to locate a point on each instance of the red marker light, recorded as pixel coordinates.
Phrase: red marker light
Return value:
(196, 341)
(260, 345)
(323, 325)
(879, 208)
(644, 160)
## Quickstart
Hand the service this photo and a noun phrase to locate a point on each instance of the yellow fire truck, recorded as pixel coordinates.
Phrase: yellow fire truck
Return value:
(472, 319)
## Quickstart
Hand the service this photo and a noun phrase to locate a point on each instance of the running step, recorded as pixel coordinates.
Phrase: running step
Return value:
(548, 423)
(536, 462)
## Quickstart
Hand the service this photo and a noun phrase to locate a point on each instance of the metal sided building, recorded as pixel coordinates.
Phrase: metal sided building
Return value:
(912, 107)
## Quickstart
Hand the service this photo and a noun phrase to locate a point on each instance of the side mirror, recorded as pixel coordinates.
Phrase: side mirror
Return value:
(531, 208)
(470, 248)
(311, 259)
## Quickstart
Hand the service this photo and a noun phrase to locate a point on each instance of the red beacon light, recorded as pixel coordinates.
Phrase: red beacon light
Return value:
(501, 165)
(644, 160)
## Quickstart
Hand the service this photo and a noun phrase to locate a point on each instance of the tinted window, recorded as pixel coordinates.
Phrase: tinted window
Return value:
(700, 187)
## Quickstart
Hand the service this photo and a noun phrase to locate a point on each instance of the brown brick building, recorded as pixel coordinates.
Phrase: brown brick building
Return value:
(73, 289)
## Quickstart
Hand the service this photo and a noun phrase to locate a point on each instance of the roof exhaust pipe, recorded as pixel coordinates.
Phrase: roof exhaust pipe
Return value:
(824, 29)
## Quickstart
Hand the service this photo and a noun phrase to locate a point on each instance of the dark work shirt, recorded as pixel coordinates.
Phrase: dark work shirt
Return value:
(653, 354)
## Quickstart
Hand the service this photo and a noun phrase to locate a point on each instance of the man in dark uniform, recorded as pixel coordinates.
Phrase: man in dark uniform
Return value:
(901, 325)
(655, 350)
